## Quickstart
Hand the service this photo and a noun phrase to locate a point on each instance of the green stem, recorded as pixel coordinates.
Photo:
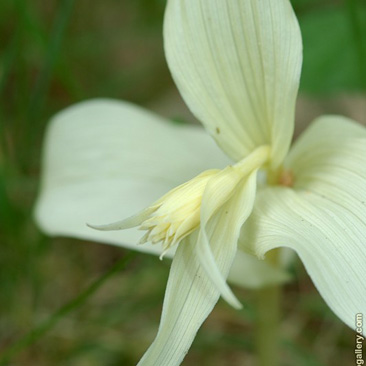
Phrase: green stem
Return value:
(267, 324)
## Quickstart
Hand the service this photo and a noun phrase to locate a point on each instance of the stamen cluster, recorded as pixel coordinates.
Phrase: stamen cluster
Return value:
(177, 213)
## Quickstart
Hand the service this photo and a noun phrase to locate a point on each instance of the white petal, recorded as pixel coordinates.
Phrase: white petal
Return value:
(328, 239)
(106, 160)
(223, 228)
(330, 160)
(324, 217)
(127, 223)
(189, 299)
(237, 65)
(326, 133)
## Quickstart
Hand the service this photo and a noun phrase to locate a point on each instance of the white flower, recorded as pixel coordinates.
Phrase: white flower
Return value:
(237, 65)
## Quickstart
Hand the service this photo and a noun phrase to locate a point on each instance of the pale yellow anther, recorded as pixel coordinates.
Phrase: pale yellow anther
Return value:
(177, 213)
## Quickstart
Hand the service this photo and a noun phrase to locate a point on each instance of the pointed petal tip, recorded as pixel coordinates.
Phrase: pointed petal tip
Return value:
(100, 227)
(119, 225)
(236, 304)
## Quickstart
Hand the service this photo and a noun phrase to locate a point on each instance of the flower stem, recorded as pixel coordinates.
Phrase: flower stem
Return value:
(267, 325)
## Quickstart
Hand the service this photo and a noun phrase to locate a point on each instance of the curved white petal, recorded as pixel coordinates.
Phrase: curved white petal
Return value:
(237, 65)
(226, 203)
(189, 299)
(105, 160)
(223, 228)
(324, 217)
(330, 161)
(325, 133)
(329, 240)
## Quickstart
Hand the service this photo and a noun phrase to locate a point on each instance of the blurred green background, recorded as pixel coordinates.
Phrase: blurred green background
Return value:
(55, 53)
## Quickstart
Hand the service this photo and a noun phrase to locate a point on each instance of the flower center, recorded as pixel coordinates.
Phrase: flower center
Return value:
(286, 178)
(176, 214)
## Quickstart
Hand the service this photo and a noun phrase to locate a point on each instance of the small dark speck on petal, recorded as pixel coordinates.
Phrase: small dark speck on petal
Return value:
(218, 130)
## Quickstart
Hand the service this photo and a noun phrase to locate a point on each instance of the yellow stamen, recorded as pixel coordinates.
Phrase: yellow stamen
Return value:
(177, 213)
